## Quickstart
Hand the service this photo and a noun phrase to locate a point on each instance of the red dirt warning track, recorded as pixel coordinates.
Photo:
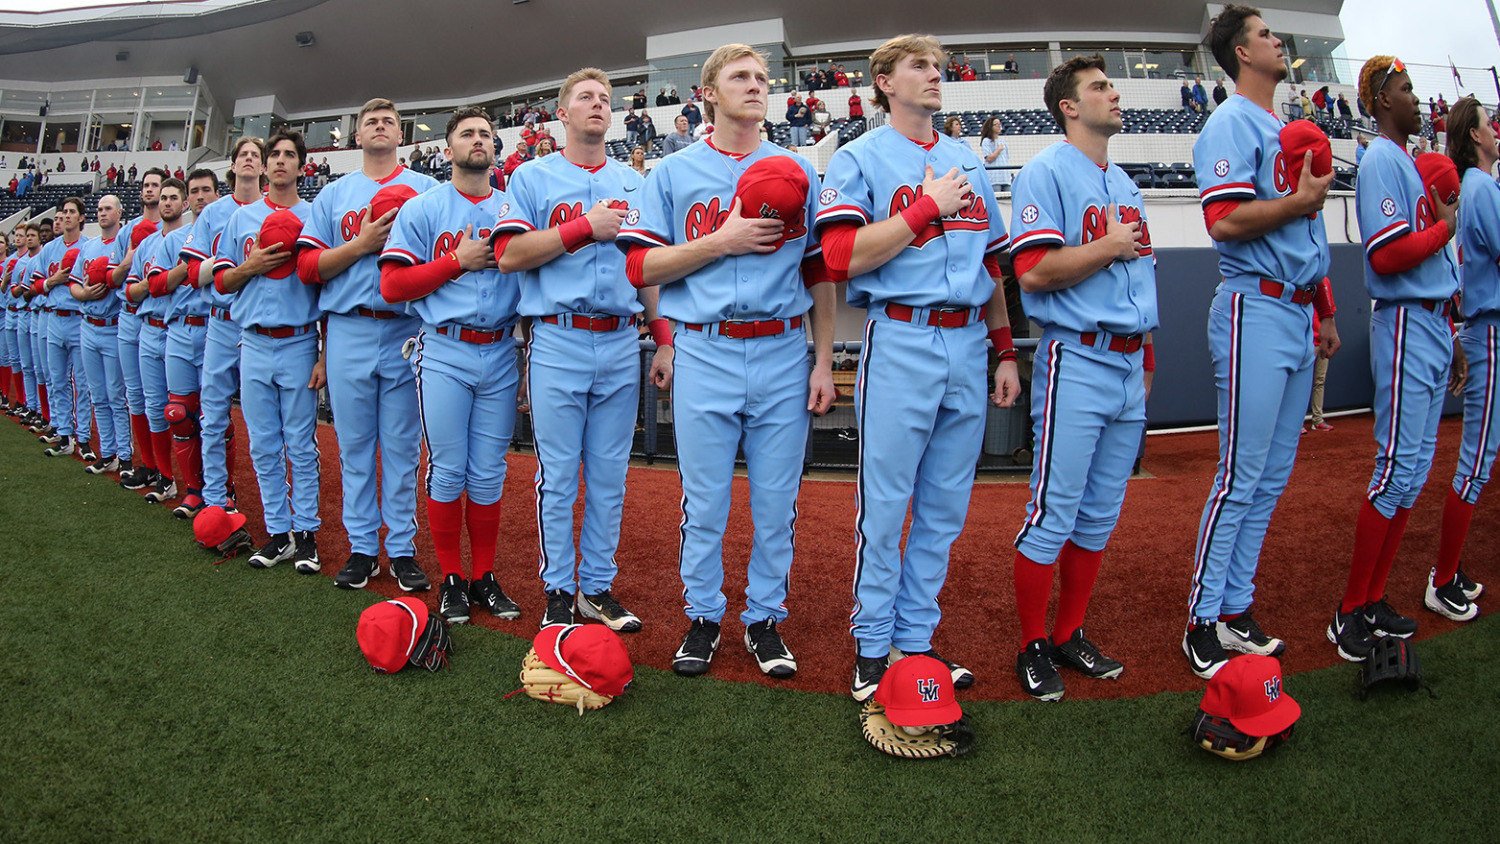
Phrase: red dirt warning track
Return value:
(1139, 605)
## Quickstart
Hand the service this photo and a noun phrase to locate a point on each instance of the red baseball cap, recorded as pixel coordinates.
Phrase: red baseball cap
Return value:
(388, 631)
(1439, 176)
(592, 654)
(214, 524)
(281, 227)
(70, 259)
(1297, 137)
(96, 270)
(389, 198)
(141, 231)
(1248, 692)
(917, 691)
(775, 186)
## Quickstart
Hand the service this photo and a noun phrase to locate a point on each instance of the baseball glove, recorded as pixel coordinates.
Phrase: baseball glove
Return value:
(545, 683)
(954, 739)
(1221, 738)
(434, 645)
(231, 547)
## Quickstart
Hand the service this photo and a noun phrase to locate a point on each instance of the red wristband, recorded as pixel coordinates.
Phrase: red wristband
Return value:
(576, 232)
(661, 331)
(1005, 345)
(1148, 357)
(920, 214)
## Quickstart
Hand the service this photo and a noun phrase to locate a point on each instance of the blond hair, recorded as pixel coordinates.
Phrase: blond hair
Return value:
(885, 58)
(716, 63)
(578, 76)
(1369, 85)
(376, 104)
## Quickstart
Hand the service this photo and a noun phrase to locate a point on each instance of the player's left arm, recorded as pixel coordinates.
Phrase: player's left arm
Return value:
(317, 262)
(821, 393)
(661, 334)
(997, 324)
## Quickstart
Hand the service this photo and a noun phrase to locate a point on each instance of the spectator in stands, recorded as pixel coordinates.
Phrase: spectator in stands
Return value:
(1306, 103)
(953, 127)
(3, 165)
(672, 98)
(646, 132)
(1442, 106)
(1432, 108)
(680, 139)
(661, 97)
(22, 164)
(324, 172)
(309, 172)
(632, 126)
(815, 79)
(528, 136)
(638, 159)
(95, 166)
(156, 145)
(109, 175)
(697, 94)
(418, 160)
(13, 186)
(179, 175)
(840, 78)
(704, 130)
(545, 145)
(1343, 106)
(1440, 124)
(814, 105)
(521, 155)
(1200, 96)
(1010, 65)
(966, 71)
(1220, 93)
(951, 73)
(995, 152)
(800, 120)
(639, 101)
(130, 174)
(1293, 103)
(856, 106)
(1187, 97)
(1320, 100)
(691, 111)
(172, 147)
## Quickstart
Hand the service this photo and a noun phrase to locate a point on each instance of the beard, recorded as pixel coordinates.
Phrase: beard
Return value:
(1281, 73)
(476, 162)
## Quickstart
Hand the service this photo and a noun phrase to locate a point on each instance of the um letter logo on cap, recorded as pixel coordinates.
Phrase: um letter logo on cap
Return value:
(1273, 689)
(928, 690)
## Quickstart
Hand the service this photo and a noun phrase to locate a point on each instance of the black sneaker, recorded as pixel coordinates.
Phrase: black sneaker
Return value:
(162, 491)
(409, 575)
(139, 477)
(698, 646)
(1204, 651)
(486, 592)
(305, 553)
(963, 678)
(1472, 590)
(1244, 635)
(602, 606)
(61, 446)
(103, 466)
(771, 653)
(86, 454)
(1385, 621)
(1081, 655)
(867, 673)
(278, 549)
(1449, 600)
(453, 599)
(1038, 676)
(559, 608)
(357, 571)
(1349, 633)
(50, 436)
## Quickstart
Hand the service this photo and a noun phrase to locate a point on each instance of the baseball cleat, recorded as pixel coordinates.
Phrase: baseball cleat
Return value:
(278, 549)
(963, 678)
(103, 466)
(162, 491)
(1200, 643)
(138, 478)
(191, 503)
(1385, 621)
(1244, 635)
(409, 575)
(51, 437)
(1038, 676)
(1081, 655)
(1348, 632)
(771, 653)
(305, 552)
(87, 454)
(1472, 590)
(357, 571)
(867, 673)
(453, 599)
(62, 447)
(560, 603)
(486, 592)
(602, 606)
(1449, 600)
(698, 647)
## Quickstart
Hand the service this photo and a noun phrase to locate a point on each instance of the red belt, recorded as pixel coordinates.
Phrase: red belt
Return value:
(101, 322)
(584, 322)
(156, 323)
(1437, 306)
(1300, 295)
(61, 312)
(374, 314)
(939, 317)
(284, 331)
(131, 308)
(477, 336)
(1129, 344)
(220, 313)
(195, 321)
(748, 329)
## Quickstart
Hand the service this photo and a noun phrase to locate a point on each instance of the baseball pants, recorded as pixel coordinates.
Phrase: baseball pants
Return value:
(1410, 353)
(1481, 439)
(101, 365)
(130, 363)
(281, 413)
(69, 391)
(466, 398)
(220, 381)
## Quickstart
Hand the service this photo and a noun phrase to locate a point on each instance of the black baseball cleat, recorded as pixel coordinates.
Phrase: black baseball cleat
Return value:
(1201, 646)
(486, 592)
(162, 491)
(697, 650)
(1348, 632)
(305, 553)
(560, 603)
(1449, 600)
(867, 673)
(278, 549)
(1038, 676)
(62, 447)
(1083, 656)
(771, 653)
(50, 436)
(357, 571)
(409, 576)
(453, 599)
(963, 678)
(602, 606)
(1244, 635)
(139, 477)
(103, 466)
(86, 454)
(1385, 621)
(1471, 590)
(189, 506)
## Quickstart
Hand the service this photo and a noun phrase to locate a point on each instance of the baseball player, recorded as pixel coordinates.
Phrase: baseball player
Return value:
(1273, 256)
(41, 320)
(70, 410)
(1083, 258)
(99, 340)
(129, 330)
(281, 365)
(921, 256)
(371, 387)
(21, 294)
(735, 285)
(1411, 274)
(9, 367)
(437, 256)
(220, 375)
(583, 363)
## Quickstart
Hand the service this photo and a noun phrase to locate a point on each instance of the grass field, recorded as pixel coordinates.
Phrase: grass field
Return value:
(152, 695)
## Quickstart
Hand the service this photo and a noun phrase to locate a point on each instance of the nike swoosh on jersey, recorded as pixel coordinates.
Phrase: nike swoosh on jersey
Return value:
(630, 190)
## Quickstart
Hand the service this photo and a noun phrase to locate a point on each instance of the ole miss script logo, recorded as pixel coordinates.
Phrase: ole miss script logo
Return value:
(448, 241)
(1096, 224)
(565, 212)
(973, 217)
(706, 218)
(351, 224)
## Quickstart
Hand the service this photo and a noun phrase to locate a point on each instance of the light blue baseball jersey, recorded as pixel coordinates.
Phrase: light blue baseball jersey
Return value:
(186, 300)
(336, 218)
(430, 226)
(1062, 198)
(687, 196)
(21, 275)
(94, 247)
(1238, 157)
(202, 244)
(1391, 202)
(161, 258)
(1479, 243)
(141, 265)
(547, 192)
(48, 262)
(944, 263)
(264, 302)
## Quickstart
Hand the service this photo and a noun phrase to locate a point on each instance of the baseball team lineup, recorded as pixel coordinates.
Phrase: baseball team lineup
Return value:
(409, 299)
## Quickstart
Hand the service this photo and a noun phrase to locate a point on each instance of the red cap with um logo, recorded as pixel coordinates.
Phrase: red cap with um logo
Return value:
(917, 691)
(1248, 692)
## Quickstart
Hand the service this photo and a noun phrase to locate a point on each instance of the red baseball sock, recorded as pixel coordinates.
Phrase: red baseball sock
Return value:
(18, 387)
(161, 451)
(484, 531)
(1369, 538)
(140, 430)
(189, 453)
(41, 397)
(1456, 515)
(5, 383)
(1033, 588)
(1080, 568)
(1387, 555)
(445, 523)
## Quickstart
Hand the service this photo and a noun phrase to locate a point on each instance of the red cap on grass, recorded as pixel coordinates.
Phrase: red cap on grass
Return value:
(1248, 692)
(213, 525)
(1439, 176)
(388, 633)
(592, 654)
(281, 227)
(774, 187)
(917, 691)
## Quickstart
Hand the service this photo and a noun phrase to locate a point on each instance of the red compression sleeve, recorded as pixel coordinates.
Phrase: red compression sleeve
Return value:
(1005, 345)
(814, 271)
(1409, 250)
(1026, 260)
(1323, 304)
(502, 241)
(193, 267)
(156, 283)
(992, 265)
(219, 279)
(837, 240)
(307, 265)
(1213, 212)
(1148, 357)
(635, 265)
(403, 284)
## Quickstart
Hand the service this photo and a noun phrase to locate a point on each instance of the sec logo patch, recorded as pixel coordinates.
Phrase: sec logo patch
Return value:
(504, 208)
(1388, 207)
(1221, 167)
(828, 196)
(1029, 214)
(633, 217)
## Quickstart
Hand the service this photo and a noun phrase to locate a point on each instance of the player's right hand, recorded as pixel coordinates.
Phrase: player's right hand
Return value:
(605, 221)
(472, 253)
(1445, 212)
(740, 235)
(373, 233)
(951, 192)
(1125, 238)
(1313, 190)
(261, 261)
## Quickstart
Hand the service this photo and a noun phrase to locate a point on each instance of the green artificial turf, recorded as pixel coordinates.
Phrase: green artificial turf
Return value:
(152, 695)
